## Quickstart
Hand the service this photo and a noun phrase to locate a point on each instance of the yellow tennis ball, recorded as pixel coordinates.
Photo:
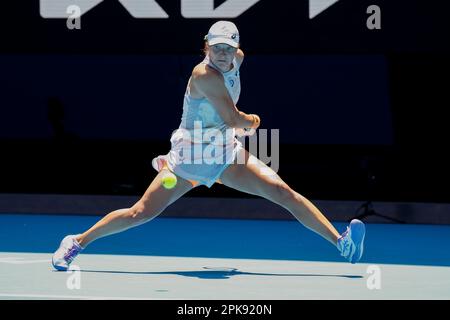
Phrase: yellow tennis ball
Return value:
(169, 180)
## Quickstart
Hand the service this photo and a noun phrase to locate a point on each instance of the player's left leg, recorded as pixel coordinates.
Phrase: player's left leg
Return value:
(255, 177)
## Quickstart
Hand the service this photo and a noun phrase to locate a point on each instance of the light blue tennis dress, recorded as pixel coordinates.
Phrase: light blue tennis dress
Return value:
(203, 146)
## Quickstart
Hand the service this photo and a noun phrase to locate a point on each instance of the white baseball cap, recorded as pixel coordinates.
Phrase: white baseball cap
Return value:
(223, 32)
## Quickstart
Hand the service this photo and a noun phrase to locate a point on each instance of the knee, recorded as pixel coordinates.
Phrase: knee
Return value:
(284, 193)
(141, 213)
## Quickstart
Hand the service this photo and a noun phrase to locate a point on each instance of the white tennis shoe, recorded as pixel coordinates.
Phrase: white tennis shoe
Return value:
(66, 253)
(351, 241)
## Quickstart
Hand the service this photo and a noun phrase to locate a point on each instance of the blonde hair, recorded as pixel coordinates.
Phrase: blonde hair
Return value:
(205, 47)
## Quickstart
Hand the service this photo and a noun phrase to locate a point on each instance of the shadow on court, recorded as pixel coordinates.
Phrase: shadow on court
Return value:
(220, 274)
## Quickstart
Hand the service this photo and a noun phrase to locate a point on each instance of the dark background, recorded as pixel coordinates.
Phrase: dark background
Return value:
(361, 112)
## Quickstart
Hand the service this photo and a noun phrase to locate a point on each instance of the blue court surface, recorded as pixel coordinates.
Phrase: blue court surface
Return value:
(174, 258)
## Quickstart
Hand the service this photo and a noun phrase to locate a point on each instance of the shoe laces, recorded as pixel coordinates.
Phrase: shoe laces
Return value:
(72, 253)
(344, 243)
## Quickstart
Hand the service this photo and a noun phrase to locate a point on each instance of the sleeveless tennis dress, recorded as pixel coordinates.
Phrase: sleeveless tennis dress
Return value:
(203, 146)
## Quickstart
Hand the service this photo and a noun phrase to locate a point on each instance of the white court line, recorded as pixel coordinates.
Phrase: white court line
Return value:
(49, 296)
(21, 260)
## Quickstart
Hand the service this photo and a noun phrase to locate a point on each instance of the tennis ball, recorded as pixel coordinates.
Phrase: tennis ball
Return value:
(169, 180)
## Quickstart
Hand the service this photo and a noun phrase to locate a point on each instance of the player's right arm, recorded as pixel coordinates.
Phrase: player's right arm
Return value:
(209, 83)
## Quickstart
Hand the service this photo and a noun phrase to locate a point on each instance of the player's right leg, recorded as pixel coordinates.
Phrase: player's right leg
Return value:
(153, 202)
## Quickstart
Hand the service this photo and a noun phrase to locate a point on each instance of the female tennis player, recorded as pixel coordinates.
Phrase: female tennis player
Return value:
(210, 104)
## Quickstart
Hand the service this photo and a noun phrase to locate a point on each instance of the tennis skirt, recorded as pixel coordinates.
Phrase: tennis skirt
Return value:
(200, 163)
